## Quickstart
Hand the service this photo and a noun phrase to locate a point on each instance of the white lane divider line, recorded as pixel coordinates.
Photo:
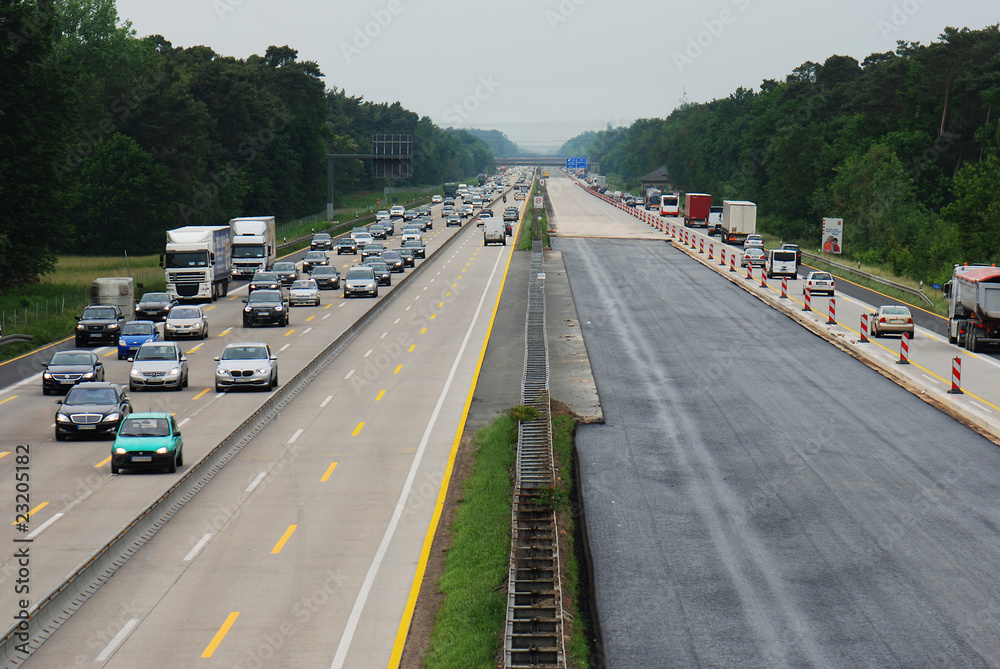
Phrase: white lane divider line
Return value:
(370, 351)
(283, 348)
(197, 547)
(349, 375)
(983, 406)
(255, 483)
(306, 331)
(929, 378)
(322, 405)
(44, 526)
(117, 640)
(298, 433)
(183, 422)
(327, 316)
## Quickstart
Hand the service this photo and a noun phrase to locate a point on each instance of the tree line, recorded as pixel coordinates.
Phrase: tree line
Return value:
(108, 140)
(904, 146)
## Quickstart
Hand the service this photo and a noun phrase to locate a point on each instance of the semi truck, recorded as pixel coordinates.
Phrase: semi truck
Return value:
(652, 199)
(696, 209)
(974, 306)
(450, 189)
(739, 219)
(254, 244)
(198, 262)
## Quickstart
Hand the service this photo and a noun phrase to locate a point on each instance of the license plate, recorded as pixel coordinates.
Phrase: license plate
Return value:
(142, 458)
(895, 320)
(242, 379)
(96, 334)
(66, 383)
(86, 427)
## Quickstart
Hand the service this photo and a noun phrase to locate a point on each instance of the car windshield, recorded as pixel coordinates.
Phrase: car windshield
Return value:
(302, 285)
(245, 352)
(264, 277)
(264, 296)
(325, 271)
(896, 311)
(315, 255)
(145, 427)
(248, 251)
(80, 395)
(284, 267)
(137, 328)
(358, 273)
(184, 312)
(164, 352)
(71, 358)
(321, 237)
(390, 255)
(821, 276)
(157, 298)
(347, 241)
(107, 314)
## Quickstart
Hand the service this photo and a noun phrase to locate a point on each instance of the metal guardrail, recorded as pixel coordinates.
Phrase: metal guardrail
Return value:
(15, 338)
(56, 607)
(870, 277)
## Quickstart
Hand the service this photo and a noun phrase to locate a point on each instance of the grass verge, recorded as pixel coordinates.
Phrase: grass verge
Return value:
(468, 631)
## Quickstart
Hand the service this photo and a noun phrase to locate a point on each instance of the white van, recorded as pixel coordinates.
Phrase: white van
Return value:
(781, 262)
(494, 231)
(670, 204)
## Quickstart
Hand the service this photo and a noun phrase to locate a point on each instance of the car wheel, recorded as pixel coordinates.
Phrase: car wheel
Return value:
(219, 389)
(172, 467)
(60, 436)
(46, 391)
(114, 467)
(204, 334)
(180, 458)
(121, 357)
(131, 387)
(186, 379)
(376, 292)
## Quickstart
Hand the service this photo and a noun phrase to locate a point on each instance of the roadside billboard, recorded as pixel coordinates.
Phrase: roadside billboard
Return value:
(833, 235)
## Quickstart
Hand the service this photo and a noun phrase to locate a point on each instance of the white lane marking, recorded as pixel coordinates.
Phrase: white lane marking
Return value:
(283, 348)
(385, 334)
(325, 317)
(195, 348)
(44, 526)
(322, 405)
(416, 298)
(396, 322)
(341, 305)
(408, 308)
(255, 483)
(226, 331)
(298, 433)
(929, 378)
(197, 547)
(370, 351)
(359, 604)
(305, 331)
(183, 422)
(349, 375)
(980, 404)
(31, 379)
(426, 287)
(117, 640)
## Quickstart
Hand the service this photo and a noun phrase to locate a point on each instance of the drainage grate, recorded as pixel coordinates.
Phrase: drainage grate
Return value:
(534, 601)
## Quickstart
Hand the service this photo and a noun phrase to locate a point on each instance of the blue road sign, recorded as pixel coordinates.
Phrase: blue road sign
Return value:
(576, 163)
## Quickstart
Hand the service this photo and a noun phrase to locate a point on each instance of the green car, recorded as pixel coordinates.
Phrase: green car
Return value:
(147, 440)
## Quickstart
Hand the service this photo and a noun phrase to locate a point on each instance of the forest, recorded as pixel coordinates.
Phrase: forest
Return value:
(904, 146)
(108, 139)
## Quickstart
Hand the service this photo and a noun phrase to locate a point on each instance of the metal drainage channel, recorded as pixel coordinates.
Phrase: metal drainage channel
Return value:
(534, 635)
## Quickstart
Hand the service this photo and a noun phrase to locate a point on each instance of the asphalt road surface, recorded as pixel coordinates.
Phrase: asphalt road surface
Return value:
(757, 498)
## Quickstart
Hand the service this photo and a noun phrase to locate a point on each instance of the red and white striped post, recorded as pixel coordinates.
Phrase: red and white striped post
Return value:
(722, 257)
(701, 245)
(711, 251)
(749, 276)
(693, 245)
(832, 320)
(956, 377)
(732, 262)
(864, 329)
(763, 277)
(808, 306)
(904, 350)
(784, 287)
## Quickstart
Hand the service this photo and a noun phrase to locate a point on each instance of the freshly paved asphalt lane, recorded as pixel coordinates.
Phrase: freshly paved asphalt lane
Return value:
(759, 498)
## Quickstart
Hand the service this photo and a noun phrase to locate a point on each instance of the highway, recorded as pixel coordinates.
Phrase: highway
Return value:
(319, 522)
(757, 496)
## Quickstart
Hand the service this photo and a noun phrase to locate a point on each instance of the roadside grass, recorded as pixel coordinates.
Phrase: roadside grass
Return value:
(468, 631)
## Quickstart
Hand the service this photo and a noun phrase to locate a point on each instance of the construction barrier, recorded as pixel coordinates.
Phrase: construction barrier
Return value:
(763, 277)
(956, 377)
(722, 257)
(749, 276)
(832, 320)
(711, 249)
(864, 329)
(904, 350)
(701, 245)
(784, 287)
(808, 306)
(732, 262)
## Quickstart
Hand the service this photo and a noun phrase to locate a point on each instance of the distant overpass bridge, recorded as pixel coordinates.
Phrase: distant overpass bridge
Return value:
(546, 161)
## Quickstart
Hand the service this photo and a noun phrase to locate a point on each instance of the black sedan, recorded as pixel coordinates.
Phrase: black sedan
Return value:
(407, 256)
(321, 241)
(265, 307)
(417, 246)
(393, 260)
(91, 408)
(264, 281)
(154, 307)
(382, 274)
(287, 273)
(326, 277)
(313, 260)
(68, 368)
(347, 245)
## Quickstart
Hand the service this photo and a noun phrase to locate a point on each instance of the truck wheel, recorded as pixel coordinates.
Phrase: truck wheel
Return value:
(973, 341)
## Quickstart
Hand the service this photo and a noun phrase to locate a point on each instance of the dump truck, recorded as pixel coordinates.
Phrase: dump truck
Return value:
(696, 209)
(739, 219)
(974, 306)
(198, 262)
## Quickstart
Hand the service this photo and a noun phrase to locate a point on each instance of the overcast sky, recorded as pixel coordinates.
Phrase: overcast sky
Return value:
(543, 71)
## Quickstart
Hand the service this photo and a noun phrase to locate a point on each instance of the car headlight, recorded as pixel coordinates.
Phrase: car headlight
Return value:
(221, 372)
(162, 449)
(46, 375)
(119, 451)
(263, 370)
(279, 307)
(135, 373)
(174, 372)
(248, 308)
(62, 418)
(113, 326)
(81, 326)
(88, 375)
(114, 415)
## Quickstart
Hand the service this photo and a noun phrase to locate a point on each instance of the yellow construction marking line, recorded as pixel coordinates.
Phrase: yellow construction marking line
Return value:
(233, 298)
(284, 537)
(412, 346)
(312, 317)
(889, 297)
(398, 367)
(432, 318)
(358, 429)
(404, 624)
(423, 331)
(195, 349)
(32, 512)
(25, 355)
(12, 397)
(225, 332)
(114, 350)
(199, 395)
(221, 634)
(326, 476)
(210, 308)
(4, 454)
(328, 306)
(379, 396)
(454, 285)
(102, 462)
(442, 303)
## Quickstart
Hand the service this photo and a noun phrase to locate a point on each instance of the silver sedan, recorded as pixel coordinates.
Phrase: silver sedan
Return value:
(185, 321)
(158, 364)
(304, 291)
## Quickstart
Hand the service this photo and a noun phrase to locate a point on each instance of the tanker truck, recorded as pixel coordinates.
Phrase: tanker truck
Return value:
(974, 306)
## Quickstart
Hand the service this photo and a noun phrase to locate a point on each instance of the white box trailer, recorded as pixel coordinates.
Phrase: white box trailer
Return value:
(116, 290)
(739, 219)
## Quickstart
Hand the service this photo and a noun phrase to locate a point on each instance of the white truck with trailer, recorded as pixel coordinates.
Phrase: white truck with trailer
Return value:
(974, 306)
(198, 262)
(254, 244)
(739, 219)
